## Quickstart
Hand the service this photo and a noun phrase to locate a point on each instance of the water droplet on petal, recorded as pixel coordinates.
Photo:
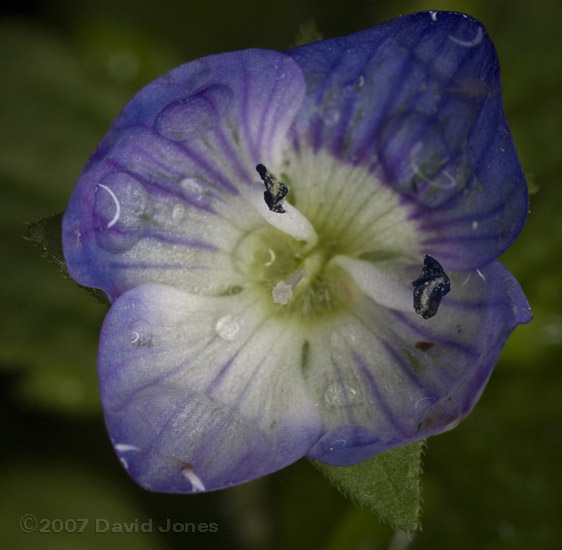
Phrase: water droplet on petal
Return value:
(195, 190)
(178, 212)
(331, 116)
(227, 327)
(138, 336)
(337, 444)
(194, 115)
(428, 170)
(120, 203)
(341, 394)
(470, 42)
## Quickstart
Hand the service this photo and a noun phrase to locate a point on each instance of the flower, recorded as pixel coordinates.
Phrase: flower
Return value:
(278, 234)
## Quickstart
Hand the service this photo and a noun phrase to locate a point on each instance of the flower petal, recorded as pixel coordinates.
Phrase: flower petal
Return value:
(418, 102)
(384, 378)
(159, 201)
(200, 393)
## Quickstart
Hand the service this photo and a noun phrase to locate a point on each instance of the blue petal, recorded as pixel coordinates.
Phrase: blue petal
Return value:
(195, 395)
(386, 378)
(418, 102)
(161, 194)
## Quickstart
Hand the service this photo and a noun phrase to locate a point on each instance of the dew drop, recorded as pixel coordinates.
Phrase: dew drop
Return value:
(331, 116)
(470, 43)
(119, 213)
(432, 172)
(337, 445)
(340, 395)
(194, 115)
(195, 189)
(227, 327)
(178, 212)
(138, 336)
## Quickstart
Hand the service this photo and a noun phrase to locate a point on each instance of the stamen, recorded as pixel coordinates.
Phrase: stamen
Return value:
(275, 190)
(291, 221)
(430, 287)
(376, 284)
(283, 291)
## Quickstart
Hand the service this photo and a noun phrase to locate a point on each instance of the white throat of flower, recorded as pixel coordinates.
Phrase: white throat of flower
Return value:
(351, 238)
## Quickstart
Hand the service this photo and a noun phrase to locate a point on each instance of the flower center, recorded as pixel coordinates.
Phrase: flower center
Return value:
(321, 250)
(290, 278)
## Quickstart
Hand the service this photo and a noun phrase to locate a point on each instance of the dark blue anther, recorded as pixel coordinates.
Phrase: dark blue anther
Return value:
(275, 190)
(430, 287)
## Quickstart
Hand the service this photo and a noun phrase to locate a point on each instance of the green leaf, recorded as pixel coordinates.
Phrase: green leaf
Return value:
(60, 93)
(73, 507)
(308, 32)
(47, 234)
(389, 484)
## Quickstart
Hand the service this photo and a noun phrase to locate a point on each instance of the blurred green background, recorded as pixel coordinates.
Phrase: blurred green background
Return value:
(67, 68)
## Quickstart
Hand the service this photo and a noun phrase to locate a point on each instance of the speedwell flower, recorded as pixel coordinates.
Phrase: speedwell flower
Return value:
(300, 251)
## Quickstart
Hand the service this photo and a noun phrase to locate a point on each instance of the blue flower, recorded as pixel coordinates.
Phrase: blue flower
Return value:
(257, 219)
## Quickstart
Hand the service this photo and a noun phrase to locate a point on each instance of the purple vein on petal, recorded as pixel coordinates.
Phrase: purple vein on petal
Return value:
(341, 141)
(242, 172)
(213, 173)
(415, 327)
(182, 241)
(373, 388)
(171, 173)
(145, 156)
(483, 241)
(132, 396)
(429, 222)
(340, 108)
(219, 378)
(265, 123)
(169, 373)
(249, 382)
(252, 144)
(164, 189)
(395, 92)
(148, 446)
(215, 383)
(424, 383)
(365, 148)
